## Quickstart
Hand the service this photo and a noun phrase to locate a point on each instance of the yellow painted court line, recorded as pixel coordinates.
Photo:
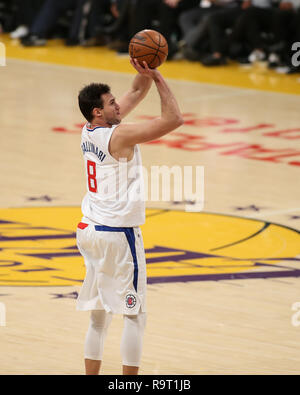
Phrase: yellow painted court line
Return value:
(256, 77)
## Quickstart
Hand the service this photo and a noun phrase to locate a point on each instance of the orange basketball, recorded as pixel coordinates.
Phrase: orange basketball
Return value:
(149, 46)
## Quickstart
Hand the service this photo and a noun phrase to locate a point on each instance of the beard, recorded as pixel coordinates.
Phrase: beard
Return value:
(114, 120)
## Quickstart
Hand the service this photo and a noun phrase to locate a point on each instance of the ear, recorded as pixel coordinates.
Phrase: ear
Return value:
(97, 112)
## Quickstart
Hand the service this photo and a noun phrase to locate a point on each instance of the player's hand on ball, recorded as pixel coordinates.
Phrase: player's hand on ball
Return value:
(145, 70)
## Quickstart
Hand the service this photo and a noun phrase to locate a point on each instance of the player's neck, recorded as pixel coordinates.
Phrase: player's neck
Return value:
(95, 123)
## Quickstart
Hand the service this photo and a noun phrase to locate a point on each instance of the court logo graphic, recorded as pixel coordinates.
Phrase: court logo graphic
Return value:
(296, 55)
(2, 55)
(130, 301)
(38, 247)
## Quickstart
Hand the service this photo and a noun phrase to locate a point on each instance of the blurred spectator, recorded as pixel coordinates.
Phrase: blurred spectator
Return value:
(46, 20)
(191, 24)
(142, 14)
(83, 12)
(91, 21)
(7, 16)
(169, 13)
(285, 30)
(26, 11)
(208, 30)
(137, 15)
(254, 21)
(219, 24)
(165, 13)
(119, 32)
(204, 30)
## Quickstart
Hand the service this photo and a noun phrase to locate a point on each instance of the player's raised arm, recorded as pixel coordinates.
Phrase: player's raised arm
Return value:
(139, 89)
(128, 135)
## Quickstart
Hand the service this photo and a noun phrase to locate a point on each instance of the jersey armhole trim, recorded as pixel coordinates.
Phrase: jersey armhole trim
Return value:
(117, 161)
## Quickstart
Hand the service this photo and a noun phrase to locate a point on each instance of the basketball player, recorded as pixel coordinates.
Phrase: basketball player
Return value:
(108, 236)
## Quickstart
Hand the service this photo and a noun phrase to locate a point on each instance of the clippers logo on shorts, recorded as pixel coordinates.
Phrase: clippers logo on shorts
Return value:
(130, 301)
(38, 248)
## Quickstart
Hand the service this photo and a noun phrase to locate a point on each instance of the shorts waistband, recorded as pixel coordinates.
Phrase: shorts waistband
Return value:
(104, 228)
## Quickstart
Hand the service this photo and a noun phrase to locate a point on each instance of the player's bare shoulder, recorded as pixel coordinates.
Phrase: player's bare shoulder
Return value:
(119, 144)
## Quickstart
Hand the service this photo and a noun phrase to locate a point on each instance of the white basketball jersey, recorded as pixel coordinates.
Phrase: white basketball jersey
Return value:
(115, 189)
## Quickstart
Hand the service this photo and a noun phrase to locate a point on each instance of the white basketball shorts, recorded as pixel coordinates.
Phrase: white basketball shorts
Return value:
(115, 262)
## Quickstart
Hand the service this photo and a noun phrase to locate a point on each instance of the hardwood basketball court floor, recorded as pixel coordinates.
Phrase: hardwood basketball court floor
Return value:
(223, 283)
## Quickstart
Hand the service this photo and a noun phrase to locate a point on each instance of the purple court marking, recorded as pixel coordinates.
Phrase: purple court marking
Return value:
(187, 257)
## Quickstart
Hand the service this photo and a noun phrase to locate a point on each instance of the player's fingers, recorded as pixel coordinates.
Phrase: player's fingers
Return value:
(145, 65)
(140, 67)
(132, 61)
(147, 69)
(137, 65)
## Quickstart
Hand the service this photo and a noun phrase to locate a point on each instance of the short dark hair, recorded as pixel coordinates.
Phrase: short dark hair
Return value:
(90, 97)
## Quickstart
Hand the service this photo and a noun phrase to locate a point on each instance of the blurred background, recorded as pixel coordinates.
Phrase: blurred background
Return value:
(208, 32)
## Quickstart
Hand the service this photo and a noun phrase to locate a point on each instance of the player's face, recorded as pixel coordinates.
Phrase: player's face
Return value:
(111, 109)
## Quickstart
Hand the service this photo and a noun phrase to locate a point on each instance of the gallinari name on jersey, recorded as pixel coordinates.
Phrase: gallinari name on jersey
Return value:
(87, 146)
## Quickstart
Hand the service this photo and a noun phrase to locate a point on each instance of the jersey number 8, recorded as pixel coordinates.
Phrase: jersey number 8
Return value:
(91, 171)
